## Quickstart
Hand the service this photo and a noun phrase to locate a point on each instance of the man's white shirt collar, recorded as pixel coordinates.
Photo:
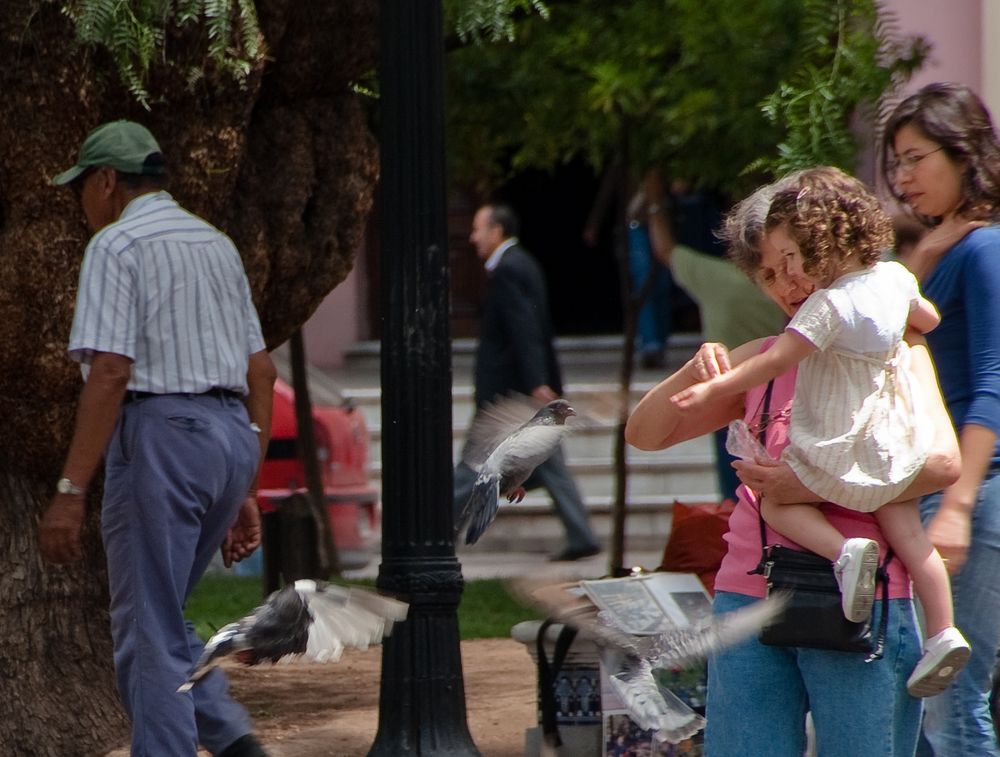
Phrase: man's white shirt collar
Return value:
(494, 259)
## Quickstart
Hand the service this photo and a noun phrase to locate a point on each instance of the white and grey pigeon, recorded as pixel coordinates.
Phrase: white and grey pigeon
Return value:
(631, 660)
(308, 618)
(511, 460)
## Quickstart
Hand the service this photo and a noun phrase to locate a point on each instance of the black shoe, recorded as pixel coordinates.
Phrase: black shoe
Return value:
(568, 555)
(245, 746)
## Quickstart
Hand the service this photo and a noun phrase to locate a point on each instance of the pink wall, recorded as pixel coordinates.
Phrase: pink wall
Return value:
(954, 29)
(339, 321)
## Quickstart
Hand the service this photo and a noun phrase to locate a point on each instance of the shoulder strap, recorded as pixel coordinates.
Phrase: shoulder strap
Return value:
(765, 419)
(547, 673)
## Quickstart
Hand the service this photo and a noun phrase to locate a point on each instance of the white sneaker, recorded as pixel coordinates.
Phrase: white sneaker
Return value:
(945, 654)
(855, 571)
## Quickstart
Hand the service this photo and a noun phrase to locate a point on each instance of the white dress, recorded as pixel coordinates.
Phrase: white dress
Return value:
(855, 436)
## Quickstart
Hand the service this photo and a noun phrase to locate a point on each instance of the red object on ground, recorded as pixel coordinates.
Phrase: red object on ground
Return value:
(342, 448)
(696, 544)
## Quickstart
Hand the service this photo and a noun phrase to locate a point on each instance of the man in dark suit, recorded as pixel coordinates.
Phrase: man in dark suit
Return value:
(516, 354)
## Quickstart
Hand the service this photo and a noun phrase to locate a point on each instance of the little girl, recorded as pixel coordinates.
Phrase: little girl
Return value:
(855, 433)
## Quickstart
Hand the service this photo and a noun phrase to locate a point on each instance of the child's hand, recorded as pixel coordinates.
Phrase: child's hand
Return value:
(693, 399)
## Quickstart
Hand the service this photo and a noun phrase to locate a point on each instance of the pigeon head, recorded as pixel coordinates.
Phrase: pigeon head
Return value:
(556, 412)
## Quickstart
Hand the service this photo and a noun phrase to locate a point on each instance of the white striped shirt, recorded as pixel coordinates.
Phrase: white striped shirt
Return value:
(167, 290)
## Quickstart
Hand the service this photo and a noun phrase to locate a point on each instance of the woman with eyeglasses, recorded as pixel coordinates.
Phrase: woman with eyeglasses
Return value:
(758, 695)
(941, 158)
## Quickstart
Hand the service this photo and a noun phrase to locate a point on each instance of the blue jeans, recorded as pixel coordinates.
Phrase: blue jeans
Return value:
(957, 722)
(178, 468)
(758, 695)
(654, 317)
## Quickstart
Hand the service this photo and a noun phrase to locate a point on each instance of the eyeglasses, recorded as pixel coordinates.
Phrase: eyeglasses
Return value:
(908, 163)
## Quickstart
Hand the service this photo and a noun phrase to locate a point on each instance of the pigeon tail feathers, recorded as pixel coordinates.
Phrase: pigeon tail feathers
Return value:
(481, 509)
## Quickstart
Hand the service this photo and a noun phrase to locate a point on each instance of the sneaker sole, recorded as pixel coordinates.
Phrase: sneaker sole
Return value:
(939, 678)
(860, 606)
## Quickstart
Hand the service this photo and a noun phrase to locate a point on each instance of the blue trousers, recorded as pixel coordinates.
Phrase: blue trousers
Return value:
(654, 317)
(555, 477)
(178, 468)
(758, 695)
(957, 722)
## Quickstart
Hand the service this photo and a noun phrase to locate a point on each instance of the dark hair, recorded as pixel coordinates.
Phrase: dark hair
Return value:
(831, 216)
(139, 181)
(953, 116)
(505, 217)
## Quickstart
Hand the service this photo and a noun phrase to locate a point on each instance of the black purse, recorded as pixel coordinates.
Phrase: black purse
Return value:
(813, 616)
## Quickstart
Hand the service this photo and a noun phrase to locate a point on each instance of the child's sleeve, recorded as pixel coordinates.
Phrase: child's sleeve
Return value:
(818, 319)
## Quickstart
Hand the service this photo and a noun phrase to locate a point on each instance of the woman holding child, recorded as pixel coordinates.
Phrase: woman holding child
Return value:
(941, 158)
(857, 707)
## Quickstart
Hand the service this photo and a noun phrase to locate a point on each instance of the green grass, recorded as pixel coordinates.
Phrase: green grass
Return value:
(487, 611)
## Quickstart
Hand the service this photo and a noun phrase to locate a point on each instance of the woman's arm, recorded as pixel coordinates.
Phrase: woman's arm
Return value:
(656, 424)
(924, 317)
(788, 350)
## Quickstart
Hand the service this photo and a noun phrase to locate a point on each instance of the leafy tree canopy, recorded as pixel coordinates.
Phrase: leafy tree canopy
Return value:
(718, 91)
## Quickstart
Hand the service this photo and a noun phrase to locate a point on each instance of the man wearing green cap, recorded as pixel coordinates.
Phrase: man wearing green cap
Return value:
(177, 398)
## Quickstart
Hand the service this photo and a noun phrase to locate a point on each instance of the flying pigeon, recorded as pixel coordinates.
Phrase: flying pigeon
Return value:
(310, 618)
(511, 460)
(632, 660)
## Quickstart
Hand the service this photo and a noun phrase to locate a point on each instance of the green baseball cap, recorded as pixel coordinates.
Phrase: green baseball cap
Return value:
(123, 145)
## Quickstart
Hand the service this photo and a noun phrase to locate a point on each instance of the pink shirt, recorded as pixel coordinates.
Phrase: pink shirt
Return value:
(743, 536)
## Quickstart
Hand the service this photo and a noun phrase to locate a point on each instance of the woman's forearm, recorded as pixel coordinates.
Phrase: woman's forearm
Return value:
(655, 423)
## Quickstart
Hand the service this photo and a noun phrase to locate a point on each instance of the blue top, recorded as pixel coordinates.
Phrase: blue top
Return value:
(965, 287)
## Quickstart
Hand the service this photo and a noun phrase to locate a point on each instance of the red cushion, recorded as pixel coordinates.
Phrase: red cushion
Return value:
(696, 544)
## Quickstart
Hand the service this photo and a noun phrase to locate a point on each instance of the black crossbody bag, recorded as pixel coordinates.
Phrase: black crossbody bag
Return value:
(813, 616)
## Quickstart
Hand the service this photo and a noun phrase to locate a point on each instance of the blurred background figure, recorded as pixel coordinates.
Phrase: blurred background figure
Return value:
(516, 354)
(733, 310)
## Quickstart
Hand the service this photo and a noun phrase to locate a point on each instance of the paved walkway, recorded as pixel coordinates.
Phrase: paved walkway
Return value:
(477, 564)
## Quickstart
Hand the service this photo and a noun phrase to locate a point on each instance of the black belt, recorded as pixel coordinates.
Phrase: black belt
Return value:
(133, 396)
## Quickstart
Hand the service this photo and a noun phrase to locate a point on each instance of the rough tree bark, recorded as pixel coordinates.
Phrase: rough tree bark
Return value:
(286, 166)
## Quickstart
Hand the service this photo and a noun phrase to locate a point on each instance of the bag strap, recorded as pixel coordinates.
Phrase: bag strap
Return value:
(762, 424)
(882, 575)
(547, 672)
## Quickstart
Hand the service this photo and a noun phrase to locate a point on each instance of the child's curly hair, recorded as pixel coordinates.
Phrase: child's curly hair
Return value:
(831, 216)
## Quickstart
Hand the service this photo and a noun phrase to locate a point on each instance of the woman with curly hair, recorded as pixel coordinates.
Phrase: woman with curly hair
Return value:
(941, 158)
(856, 435)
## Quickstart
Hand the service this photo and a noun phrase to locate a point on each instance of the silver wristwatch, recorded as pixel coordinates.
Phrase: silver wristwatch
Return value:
(65, 486)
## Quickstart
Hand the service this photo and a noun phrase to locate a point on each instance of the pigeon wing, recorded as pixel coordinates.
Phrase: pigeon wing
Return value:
(523, 451)
(653, 707)
(308, 618)
(493, 423)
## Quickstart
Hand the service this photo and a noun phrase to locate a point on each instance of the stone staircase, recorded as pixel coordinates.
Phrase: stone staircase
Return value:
(591, 366)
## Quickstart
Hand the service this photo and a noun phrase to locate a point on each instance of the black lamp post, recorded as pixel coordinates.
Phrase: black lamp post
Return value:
(422, 699)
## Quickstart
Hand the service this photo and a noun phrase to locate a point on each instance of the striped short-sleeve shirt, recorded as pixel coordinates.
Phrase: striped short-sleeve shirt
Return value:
(167, 290)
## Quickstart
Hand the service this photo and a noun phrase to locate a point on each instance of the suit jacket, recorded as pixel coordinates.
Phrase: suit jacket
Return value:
(516, 351)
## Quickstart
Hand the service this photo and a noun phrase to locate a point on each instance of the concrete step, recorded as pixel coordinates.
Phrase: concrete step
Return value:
(591, 368)
(576, 353)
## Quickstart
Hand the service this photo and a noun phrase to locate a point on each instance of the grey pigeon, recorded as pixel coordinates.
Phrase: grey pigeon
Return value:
(511, 461)
(631, 660)
(308, 618)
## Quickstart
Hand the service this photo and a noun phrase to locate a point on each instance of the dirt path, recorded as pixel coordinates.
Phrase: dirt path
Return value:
(304, 710)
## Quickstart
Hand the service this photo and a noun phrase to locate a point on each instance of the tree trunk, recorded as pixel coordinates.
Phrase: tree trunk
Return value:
(286, 166)
(57, 692)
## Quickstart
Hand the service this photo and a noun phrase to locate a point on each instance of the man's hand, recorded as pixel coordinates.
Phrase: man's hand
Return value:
(245, 534)
(59, 530)
(544, 394)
